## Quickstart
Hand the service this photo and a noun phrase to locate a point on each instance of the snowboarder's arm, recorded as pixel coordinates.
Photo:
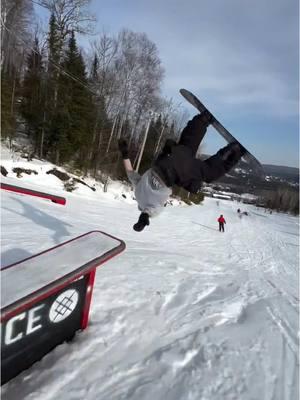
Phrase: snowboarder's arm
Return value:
(123, 147)
(127, 165)
(133, 176)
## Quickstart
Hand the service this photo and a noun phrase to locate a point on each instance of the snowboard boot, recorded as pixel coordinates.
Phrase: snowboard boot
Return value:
(231, 154)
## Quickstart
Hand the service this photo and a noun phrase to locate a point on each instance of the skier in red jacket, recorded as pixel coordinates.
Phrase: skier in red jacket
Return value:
(221, 221)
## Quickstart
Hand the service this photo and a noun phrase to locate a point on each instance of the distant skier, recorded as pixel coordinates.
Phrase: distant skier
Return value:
(177, 165)
(221, 221)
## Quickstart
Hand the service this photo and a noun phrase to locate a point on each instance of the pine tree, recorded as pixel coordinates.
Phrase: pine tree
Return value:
(101, 124)
(33, 96)
(9, 89)
(75, 108)
(54, 59)
(54, 118)
(94, 70)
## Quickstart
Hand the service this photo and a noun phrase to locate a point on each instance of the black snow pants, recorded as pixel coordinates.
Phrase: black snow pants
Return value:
(221, 226)
(179, 165)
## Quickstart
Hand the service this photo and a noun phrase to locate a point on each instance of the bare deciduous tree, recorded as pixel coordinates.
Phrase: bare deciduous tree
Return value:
(105, 48)
(70, 15)
(15, 21)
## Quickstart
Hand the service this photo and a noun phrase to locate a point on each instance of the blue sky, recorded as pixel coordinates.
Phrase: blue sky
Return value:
(240, 57)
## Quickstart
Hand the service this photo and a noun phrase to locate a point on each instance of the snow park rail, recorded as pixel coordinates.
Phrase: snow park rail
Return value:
(46, 298)
(31, 192)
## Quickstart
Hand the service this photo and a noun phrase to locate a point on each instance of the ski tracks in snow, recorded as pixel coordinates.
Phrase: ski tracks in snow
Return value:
(187, 313)
(270, 275)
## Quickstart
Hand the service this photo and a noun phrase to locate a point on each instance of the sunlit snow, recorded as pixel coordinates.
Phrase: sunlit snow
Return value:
(186, 312)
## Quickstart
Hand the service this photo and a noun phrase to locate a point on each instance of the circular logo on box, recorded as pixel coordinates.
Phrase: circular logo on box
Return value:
(63, 305)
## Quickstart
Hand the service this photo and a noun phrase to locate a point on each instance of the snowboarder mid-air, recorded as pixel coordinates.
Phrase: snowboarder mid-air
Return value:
(177, 165)
(221, 221)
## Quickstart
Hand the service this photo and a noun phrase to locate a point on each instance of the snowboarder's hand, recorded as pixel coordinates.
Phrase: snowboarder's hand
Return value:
(193, 187)
(207, 117)
(142, 222)
(123, 147)
(169, 144)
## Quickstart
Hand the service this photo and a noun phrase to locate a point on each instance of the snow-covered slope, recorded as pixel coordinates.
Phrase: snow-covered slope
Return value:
(184, 313)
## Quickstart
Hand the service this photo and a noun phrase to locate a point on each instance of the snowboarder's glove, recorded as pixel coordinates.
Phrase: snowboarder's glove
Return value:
(207, 117)
(169, 144)
(193, 186)
(123, 147)
(142, 222)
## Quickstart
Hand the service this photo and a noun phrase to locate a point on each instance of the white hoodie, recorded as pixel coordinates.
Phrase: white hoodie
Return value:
(150, 192)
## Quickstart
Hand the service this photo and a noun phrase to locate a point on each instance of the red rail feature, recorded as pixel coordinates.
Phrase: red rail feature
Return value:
(36, 193)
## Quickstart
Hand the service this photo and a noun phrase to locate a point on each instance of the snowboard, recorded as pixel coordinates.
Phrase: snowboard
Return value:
(248, 157)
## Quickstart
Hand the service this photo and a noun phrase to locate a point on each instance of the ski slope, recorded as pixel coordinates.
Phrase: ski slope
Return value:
(186, 312)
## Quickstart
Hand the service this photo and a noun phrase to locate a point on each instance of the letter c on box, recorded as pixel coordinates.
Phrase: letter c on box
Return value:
(10, 328)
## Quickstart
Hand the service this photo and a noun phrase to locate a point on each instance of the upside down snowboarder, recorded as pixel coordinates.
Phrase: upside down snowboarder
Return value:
(177, 165)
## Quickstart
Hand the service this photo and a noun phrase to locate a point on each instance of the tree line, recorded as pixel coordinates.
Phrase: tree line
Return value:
(282, 199)
(74, 105)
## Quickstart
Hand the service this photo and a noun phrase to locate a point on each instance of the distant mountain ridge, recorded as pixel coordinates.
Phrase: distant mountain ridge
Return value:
(280, 169)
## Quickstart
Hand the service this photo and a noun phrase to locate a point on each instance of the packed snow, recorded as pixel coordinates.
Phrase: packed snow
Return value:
(186, 312)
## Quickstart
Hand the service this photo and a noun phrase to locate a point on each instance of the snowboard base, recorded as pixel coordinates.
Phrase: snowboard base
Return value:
(249, 158)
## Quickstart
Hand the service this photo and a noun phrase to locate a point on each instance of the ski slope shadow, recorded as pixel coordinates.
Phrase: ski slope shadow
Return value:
(290, 233)
(205, 226)
(259, 215)
(13, 255)
(43, 219)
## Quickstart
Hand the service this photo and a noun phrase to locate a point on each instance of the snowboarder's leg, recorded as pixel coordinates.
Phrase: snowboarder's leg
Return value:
(195, 130)
(222, 162)
(212, 168)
